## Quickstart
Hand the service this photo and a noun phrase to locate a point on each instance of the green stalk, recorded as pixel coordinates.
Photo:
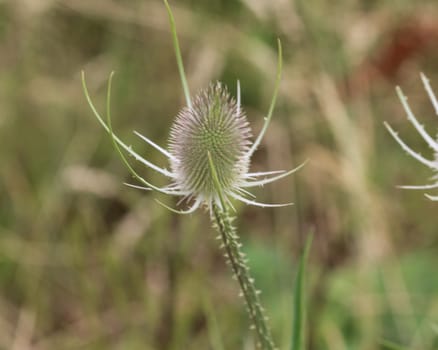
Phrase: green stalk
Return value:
(223, 222)
(299, 305)
(238, 262)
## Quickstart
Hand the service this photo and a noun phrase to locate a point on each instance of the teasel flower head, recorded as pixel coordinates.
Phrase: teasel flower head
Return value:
(215, 125)
(210, 146)
(432, 142)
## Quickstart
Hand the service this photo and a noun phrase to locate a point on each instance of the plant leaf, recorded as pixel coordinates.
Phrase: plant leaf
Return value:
(391, 345)
(298, 301)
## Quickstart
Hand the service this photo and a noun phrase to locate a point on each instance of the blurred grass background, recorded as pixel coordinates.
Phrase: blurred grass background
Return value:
(87, 263)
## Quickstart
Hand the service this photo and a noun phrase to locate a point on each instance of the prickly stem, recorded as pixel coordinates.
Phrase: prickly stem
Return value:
(223, 223)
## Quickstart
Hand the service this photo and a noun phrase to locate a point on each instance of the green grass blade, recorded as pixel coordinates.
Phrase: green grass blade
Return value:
(389, 345)
(214, 332)
(179, 60)
(298, 301)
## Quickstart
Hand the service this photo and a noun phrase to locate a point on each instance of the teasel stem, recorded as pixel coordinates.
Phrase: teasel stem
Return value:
(237, 260)
(223, 221)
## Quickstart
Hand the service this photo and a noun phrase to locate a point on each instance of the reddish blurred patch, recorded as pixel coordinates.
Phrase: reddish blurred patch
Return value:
(412, 36)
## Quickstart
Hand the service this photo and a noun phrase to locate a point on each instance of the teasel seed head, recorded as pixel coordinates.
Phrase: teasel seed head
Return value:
(214, 124)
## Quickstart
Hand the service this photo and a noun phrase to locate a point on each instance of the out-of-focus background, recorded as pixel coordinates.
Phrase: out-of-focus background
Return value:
(88, 263)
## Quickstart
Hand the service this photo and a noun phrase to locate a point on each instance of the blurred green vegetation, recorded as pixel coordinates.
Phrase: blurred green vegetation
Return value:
(87, 263)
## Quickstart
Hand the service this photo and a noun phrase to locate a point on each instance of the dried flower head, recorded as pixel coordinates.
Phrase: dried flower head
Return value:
(433, 164)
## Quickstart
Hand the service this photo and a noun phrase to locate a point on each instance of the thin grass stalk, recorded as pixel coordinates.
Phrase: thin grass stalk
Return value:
(298, 301)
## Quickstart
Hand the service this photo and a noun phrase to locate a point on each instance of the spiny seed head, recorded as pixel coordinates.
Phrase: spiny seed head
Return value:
(214, 125)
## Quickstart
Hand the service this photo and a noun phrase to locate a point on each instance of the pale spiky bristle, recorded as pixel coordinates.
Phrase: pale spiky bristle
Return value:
(215, 124)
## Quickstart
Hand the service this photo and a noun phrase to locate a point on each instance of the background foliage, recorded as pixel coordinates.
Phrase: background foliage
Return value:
(87, 263)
